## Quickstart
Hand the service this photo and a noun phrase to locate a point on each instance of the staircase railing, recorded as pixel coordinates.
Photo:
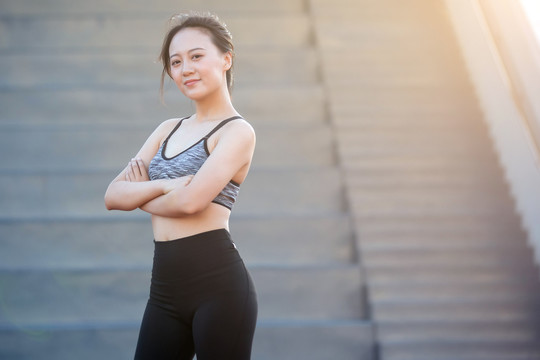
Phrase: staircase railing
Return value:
(519, 52)
(503, 59)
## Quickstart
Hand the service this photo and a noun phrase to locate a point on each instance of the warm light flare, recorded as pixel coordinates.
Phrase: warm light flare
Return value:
(532, 10)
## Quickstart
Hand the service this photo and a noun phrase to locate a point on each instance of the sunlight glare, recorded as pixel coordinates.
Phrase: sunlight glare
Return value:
(532, 10)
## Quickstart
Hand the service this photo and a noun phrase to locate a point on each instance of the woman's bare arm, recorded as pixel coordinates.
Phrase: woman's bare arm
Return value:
(132, 188)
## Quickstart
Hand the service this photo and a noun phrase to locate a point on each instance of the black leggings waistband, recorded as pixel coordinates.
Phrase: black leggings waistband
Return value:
(193, 255)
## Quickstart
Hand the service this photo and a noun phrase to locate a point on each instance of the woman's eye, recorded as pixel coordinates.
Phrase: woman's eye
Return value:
(195, 57)
(175, 62)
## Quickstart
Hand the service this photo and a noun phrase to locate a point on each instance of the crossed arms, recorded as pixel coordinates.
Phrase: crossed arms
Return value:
(184, 196)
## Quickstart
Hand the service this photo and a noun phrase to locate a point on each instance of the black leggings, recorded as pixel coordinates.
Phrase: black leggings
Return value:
(202, 301)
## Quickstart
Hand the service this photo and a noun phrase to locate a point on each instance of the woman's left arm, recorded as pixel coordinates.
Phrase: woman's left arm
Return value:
(232, 154)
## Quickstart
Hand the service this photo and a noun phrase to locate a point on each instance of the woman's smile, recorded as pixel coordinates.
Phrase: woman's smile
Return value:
(191, 82)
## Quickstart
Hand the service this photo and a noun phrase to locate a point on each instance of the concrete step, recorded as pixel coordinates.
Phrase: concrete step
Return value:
(435, 225)
(136, 69)
(380, 96)
(432, 145)
(463, 289)
(434, 162)
(416, 13)
(419, 275)
(299, 106)
(294, 147)
(395, 79)
(416, 160)
(485, 256)
(365, 206)
(80, 195)
(405, 117)
(127, 244)
(385, 34)
(408, 331)
(110, 341)
(103, 149)
(426, 272)
(298, 340)
(168, 7)
(452, 196)
(378, 64)
(525, 311)
(407, 110)
(403, 147)
(461, 350)
(310, 293)
(71, 298)
(348, 340)
(410, 179)
(359, 142)
(390, 9)
(318, 240)
(391, 39)
(117, 32)
(441, 242)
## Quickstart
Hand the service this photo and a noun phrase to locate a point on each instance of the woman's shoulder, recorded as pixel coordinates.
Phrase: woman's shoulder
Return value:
(165, 127)
(162, 131)
(169, 124)
(240, 128)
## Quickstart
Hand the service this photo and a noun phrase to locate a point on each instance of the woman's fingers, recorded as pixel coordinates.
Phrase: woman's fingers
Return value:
(129, 172)
(142, 169)
(136, 171)
(134, 168)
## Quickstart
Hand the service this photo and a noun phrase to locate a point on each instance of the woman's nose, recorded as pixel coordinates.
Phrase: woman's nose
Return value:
(187, 69)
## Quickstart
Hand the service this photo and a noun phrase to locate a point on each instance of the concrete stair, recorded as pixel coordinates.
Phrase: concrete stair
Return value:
(449, 272)
(78, 96)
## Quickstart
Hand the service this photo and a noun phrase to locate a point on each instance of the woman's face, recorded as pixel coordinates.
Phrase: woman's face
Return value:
(198, 67)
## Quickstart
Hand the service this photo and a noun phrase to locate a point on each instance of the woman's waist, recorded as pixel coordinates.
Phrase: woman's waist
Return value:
(213, 217)
(194, 255)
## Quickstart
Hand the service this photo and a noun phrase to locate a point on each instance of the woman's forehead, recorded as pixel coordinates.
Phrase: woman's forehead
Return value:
(188, 39)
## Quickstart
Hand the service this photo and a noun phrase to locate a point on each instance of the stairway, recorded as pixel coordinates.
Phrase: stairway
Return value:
(78, 96)
(448, 268)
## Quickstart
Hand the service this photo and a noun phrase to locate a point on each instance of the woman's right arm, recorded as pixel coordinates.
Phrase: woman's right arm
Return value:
(125, 194)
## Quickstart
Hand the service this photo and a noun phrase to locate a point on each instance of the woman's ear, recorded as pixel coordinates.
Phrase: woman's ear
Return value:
(228, 61)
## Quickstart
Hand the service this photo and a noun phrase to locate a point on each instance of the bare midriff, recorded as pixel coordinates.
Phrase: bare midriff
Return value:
(214, 217)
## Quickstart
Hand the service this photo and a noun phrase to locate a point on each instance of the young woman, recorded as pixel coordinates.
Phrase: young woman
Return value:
(187, 175)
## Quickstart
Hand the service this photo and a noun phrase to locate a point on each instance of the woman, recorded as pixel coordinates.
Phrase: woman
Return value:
(187, 175)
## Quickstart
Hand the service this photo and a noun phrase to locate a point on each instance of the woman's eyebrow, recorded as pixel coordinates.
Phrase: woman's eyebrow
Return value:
(194, 49)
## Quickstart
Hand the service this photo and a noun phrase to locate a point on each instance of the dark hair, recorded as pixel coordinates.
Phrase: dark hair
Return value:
(219, 34)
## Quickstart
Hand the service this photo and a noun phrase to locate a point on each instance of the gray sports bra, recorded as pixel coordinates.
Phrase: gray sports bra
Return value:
(189, 161)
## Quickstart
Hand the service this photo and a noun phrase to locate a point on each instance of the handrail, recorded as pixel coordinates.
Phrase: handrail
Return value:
(500, 36)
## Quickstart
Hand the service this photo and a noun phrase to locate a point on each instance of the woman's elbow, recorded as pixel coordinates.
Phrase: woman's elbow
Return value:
(190, 206)
(112, 203)
(109, 203)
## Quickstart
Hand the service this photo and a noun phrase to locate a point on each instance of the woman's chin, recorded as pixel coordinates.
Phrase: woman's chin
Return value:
(197, 94)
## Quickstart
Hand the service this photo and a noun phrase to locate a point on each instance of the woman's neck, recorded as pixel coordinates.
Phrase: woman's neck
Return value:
(215, 107)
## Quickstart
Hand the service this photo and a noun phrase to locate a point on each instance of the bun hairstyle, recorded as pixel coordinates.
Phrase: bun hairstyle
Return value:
(207, 22)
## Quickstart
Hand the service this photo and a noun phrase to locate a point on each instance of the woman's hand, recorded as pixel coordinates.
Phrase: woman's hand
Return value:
(160, 204)
(173, 184)
(136, 171)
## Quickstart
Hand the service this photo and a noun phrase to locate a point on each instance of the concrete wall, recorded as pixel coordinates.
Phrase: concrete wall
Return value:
(506, 100)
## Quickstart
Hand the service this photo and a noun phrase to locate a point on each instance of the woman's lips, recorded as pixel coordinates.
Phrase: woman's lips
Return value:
(190, 82)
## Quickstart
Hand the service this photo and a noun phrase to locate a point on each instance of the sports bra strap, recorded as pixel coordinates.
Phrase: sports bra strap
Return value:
(175, 128)
(218, 126)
